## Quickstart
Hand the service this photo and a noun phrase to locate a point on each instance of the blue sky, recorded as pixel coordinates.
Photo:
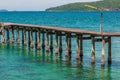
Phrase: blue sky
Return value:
(34, 5)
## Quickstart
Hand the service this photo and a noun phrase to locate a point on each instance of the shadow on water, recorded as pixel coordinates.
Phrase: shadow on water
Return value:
(109, 73)
(72, 71)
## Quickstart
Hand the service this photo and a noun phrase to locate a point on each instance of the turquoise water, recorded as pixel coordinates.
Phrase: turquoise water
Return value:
(22, 63)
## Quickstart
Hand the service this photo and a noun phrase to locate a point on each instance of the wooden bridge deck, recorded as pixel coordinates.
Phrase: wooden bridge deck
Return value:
(69, 30)
(46, 33)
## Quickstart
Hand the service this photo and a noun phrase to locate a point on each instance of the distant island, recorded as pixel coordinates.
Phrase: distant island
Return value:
(3, 10)
(109, 5)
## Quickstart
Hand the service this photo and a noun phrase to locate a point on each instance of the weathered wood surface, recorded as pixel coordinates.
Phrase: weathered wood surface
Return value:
(48, 31)
(68, 30)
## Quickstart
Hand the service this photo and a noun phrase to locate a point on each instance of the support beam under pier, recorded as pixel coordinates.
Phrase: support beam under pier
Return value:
(109, 50)
(31, 39)
(103, 51)
(60, 48)
(47, 42)
(56, 48)
(77, 48)
(2, 30)
(51, 41)
(43, 40)
(93, 50)
(8, 36)
(70, 42)
(67, 45)
(18, 36)
(81, 45)
(12, 35)
(38, 40)
(24, 36)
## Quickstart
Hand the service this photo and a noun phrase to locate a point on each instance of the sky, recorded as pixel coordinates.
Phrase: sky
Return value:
(34, 5)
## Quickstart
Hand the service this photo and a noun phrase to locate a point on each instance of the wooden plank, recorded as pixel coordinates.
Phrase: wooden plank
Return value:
(53, 28)
(69, 30)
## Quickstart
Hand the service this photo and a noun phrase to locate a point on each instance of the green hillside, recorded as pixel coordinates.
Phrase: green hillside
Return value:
(108, 4)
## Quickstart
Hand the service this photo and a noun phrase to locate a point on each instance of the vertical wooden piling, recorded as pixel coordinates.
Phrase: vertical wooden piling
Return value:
(51, 41)
(31, 39)
(2, 28)
(47, 42)
(70, 43)
(93, 50)
(56, 48)
(38, 40)
(67, 45)
(103, 51)
(8, 38)
(70, 33)
(12, 35)
(109, 50)
(77, 48)
(60, 48)
(18, 36)
(24, 36)
(43, 40)
(81, 45)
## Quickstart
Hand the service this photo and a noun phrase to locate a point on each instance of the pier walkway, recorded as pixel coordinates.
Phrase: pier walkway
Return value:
(48, 32)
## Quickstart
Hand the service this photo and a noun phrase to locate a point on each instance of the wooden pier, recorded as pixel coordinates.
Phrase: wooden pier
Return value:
(46, 33)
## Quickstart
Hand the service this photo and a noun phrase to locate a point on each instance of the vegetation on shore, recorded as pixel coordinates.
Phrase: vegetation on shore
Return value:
(78, 6)
(3, 10)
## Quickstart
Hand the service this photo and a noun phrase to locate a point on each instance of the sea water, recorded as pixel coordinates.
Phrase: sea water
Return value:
(22, 63)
